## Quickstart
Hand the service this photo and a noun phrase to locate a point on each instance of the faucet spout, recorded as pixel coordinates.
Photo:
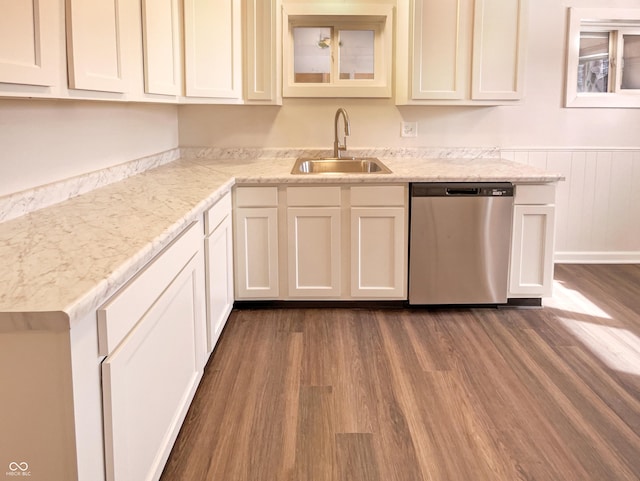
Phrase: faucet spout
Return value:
(337, 147)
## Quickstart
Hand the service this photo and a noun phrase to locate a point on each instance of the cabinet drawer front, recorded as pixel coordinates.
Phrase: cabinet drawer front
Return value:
(123, 311)
(378, 195)
(313, 196)
(256, 196)
(216, 214)
(535, 194)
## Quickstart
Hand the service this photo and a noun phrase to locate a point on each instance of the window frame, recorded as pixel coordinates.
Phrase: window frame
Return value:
(378, 18)
(617, 22)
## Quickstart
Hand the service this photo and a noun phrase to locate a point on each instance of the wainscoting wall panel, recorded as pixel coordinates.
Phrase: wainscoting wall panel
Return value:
(597, 206)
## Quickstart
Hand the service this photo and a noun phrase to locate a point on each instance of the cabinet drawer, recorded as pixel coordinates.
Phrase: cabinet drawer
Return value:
(216, 214)
(313, 196)
(121, 313)
(378, 195)
(535, 194)
(256, 196)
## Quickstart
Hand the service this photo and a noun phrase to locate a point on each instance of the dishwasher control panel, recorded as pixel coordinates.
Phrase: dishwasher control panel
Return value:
(462, 189)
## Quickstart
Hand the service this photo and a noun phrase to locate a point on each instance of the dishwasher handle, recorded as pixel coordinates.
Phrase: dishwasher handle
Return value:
(461, 189)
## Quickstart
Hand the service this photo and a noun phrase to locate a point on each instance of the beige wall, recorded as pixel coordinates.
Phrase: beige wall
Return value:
(42, 141)
(539, 121)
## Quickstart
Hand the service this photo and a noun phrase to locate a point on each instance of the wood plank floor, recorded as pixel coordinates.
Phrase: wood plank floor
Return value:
(547, 394)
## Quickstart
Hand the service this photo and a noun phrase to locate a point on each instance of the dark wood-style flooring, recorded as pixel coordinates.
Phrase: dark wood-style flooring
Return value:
(547, 394)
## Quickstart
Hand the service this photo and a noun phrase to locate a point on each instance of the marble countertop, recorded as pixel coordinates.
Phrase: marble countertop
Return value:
(63, 261)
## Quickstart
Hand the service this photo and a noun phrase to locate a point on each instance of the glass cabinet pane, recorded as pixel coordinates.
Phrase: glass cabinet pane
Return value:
(356, 54)
(631, 62)
(593, 62)
(312, 54)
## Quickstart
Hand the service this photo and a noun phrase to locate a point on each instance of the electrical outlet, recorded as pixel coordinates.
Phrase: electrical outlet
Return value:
(408, 129)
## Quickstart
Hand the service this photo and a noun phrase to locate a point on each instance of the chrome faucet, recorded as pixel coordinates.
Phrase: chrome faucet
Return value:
(337, 148)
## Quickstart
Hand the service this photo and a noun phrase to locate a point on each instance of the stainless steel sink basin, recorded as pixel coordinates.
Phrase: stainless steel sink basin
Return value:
(369, 165)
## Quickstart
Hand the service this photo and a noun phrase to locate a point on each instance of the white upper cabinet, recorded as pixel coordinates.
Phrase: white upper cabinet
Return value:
(440, 69)
(28, 42)
(263, 52)
(460, 51)
(498, 50)
(161, 43)
(95, 45)
(213, 53)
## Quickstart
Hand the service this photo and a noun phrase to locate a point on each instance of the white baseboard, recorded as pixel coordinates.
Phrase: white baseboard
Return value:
(606, 257)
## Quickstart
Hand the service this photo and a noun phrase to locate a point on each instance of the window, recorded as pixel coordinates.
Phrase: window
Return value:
(603, 67)
(337, 51)
(314, 48)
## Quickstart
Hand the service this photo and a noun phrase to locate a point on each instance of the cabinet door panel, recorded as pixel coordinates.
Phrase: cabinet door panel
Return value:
(498, 49)
(160, 30)
(257, 252)
(95, 43)
(314, 251)
(263, 58)
(150, 379)
(440, 43)
(531, 272)
(219, 251)
(27, 42)
(212, 48)
(378, 253)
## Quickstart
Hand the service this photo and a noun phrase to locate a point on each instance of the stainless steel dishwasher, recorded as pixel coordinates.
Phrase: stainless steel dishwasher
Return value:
(459, 243)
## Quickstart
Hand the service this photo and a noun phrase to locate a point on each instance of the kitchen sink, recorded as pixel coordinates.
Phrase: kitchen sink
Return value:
(348, 165)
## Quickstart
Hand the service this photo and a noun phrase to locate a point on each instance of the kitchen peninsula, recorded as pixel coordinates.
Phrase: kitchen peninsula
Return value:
(72, 297)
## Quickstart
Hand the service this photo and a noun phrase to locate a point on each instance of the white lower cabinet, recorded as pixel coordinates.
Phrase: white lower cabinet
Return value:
(370, 252)
(379, 240)
(334, 242)
(313, 247)
(256, 242)
(531, 271)
(378, 252)
(153, 332)
(219, 268)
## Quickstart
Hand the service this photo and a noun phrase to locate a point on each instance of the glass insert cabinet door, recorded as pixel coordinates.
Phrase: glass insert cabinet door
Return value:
(315, 50)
